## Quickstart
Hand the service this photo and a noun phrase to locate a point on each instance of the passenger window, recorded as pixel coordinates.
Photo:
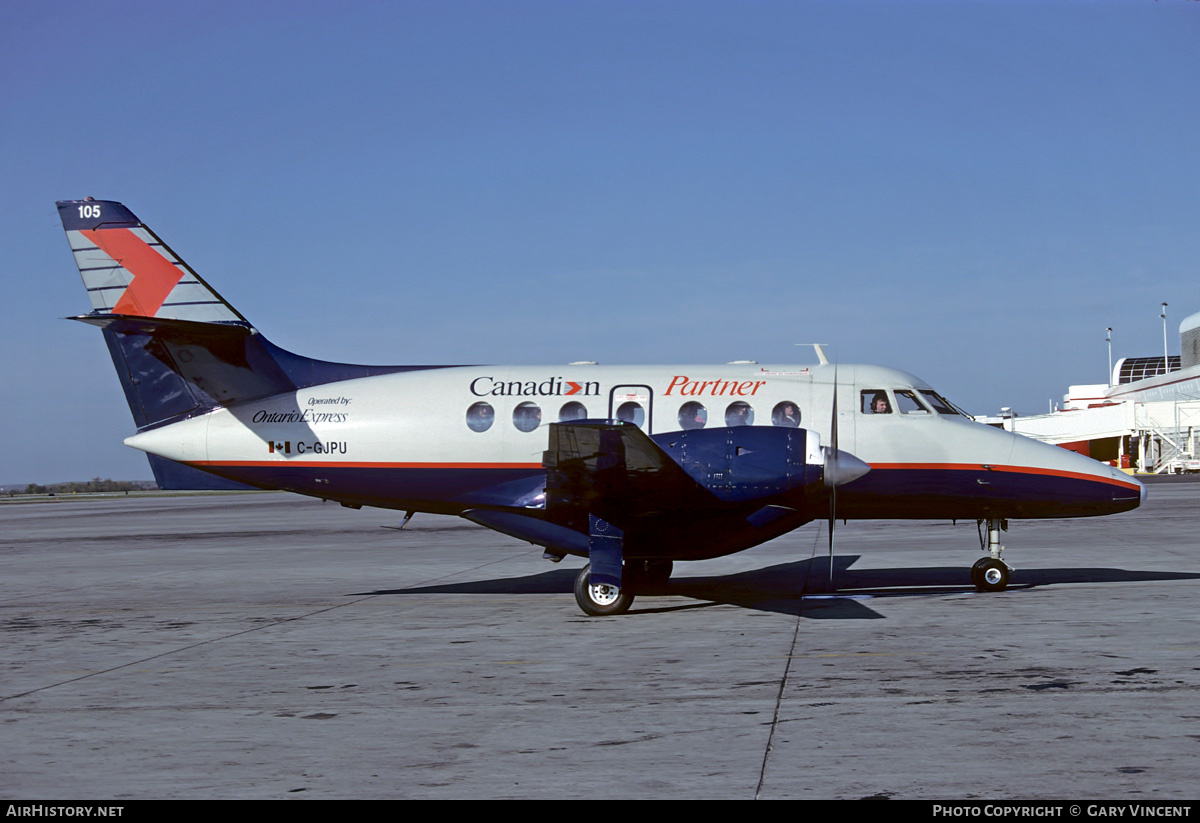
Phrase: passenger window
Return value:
(527, 417)
(739, 414)
(907, 402)
(786, 414)
(875, 401)
(692, 415)
(480, 417)
(632, 412)
(572, 411)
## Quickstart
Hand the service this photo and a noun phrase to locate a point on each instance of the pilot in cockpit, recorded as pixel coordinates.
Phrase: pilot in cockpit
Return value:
(879, 404)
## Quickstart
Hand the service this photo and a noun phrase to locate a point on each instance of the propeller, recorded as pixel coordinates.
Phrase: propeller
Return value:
(831, 473)
(840, 467)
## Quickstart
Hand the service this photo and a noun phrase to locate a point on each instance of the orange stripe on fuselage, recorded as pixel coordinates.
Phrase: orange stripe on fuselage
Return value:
(1013, 469)
(341, 464)
(153, 275)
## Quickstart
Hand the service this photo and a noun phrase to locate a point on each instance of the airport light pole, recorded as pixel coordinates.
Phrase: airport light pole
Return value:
(1108, 339)
(1166, 358)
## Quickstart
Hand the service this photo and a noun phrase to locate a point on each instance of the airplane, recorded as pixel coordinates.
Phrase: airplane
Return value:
(632, 468)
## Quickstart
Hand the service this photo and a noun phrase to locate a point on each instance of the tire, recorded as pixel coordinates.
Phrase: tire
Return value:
(975, 570)
(991, 575)
(642, 576)
(602, 600)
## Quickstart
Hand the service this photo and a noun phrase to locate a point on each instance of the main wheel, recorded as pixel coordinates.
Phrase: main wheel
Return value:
(991, 575)
(601, 600)
(641, 576)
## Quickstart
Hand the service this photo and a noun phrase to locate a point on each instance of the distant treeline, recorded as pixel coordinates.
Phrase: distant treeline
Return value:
(84, 486)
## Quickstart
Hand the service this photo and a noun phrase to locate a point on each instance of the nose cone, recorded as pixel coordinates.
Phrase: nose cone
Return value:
(1125, 479)
(1075, 485)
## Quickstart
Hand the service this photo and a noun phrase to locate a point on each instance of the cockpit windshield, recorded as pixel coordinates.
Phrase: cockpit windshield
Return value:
(940, 404)
(913, 401)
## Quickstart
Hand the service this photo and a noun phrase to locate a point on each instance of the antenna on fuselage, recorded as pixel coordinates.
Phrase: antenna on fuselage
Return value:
(400, 528)
(821, 358)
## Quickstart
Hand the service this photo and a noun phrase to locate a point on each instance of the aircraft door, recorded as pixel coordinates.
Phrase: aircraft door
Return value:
(633, 404)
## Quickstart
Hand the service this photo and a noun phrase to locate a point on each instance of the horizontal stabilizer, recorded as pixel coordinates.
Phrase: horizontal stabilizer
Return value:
(171, 368)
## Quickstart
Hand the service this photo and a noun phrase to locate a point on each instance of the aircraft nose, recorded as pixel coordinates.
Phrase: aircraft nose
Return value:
(1125, 494)
(1082, 486)
(1144, 491)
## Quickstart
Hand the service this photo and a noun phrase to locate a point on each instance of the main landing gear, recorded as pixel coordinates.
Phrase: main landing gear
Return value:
(605, 600)
(601, 599)
(990, 574)
(647, 575)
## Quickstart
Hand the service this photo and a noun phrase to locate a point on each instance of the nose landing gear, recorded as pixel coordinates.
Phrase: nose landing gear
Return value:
(990, 574)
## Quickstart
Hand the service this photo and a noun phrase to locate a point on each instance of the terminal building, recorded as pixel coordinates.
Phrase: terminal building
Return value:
(1145, 420)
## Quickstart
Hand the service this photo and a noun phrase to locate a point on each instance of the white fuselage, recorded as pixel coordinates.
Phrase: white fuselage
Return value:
(494, 418)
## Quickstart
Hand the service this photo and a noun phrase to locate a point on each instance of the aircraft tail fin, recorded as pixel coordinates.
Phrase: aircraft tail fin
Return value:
(127, 270)
(180, 349)
(178, 346)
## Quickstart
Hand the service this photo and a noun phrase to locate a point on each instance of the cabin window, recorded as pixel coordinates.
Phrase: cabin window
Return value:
(573, 410)
(786, 414)
(739, 414)
(875, 401)
(692, 415)
(527, 417)
(480, 417)
(907, 403)
(632, 412)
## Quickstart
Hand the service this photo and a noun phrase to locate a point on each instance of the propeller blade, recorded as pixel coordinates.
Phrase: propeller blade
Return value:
(831, 472)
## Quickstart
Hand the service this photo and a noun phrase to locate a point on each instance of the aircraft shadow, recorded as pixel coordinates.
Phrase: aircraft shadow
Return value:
(801, 588)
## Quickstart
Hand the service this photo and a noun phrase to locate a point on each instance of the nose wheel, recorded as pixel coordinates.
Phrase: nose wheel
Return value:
(990, 574)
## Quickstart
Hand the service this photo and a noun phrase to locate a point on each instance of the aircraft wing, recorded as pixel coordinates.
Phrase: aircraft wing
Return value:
(615, 471)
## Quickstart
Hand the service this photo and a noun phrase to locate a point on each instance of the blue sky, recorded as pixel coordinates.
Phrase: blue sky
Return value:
(971, 191)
